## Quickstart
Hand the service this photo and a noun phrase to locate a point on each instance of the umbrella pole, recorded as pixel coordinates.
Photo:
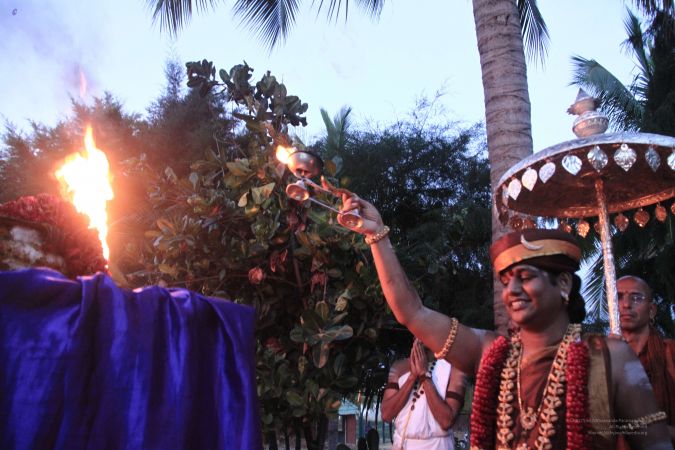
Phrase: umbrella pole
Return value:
(608, 259)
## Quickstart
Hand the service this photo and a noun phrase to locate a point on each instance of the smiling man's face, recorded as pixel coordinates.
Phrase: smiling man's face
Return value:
(530, 295)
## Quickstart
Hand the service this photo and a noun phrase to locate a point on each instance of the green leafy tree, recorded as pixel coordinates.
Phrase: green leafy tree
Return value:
(227, 228)
(181, 125)
(431, 183)
(17, 161)
(503, 29)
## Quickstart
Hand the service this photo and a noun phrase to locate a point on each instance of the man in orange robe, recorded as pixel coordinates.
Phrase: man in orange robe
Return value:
(637, 312)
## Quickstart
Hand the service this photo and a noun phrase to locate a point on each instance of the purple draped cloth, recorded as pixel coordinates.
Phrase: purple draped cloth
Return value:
(87, 365)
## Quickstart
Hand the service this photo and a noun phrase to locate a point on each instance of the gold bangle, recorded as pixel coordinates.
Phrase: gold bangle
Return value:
(377, 237)
(449, 341)
(642, 422)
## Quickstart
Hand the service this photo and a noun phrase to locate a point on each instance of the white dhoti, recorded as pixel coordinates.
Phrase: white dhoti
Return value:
(417, 429)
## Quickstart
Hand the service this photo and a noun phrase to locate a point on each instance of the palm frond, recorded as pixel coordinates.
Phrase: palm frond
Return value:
(651, 7)
(331, 133)
(661, 29)
(373, 8)
(173, 15)
(342, 125)
(617, 101)
(593, 286)
(635, 43)
(330, 126)
(534, 30)
(272, 19)
(337, 130)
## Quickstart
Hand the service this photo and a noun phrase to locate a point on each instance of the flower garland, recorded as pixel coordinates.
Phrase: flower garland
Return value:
(576, 398)
(483, 410)
(493, 393)
(67, 231)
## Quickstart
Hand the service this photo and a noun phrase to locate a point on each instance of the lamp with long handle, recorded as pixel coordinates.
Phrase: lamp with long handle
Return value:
(298, 191)
(351, 218)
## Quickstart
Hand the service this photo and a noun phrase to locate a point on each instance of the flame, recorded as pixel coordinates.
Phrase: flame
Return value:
(283, 153)
(85, 180)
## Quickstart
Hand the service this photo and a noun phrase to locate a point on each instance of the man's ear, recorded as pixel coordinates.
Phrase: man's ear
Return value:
(565, 281)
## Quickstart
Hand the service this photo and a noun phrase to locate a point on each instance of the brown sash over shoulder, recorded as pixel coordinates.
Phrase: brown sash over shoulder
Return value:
(599, 393)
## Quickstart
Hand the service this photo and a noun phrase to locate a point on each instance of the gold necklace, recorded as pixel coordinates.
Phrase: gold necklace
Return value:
(528, 417)
(551, 400)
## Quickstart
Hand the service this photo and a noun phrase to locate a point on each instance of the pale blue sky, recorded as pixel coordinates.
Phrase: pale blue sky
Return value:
(377, 68)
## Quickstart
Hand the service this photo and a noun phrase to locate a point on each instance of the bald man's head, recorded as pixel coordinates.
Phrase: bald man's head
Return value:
(636, 308)
(640, 282)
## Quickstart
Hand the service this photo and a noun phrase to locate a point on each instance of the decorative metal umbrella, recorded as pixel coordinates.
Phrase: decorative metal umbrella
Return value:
(595, 175)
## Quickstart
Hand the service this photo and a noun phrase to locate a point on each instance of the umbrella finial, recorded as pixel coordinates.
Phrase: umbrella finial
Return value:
(590, 122)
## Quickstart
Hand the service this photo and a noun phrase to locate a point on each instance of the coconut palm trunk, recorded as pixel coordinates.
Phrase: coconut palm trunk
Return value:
(507, 102)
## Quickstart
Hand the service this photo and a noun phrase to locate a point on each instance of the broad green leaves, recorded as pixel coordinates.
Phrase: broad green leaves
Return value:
(266, 101)
(262, 193)
(239, 167)
(226, 227)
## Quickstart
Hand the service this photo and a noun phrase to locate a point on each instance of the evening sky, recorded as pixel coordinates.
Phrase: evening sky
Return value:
(379, 68)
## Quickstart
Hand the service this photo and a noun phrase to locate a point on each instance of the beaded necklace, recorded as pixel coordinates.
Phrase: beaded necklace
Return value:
(491, 395)
(418, 389)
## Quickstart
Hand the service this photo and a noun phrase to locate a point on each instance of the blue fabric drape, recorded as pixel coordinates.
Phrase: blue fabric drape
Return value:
(87, 365)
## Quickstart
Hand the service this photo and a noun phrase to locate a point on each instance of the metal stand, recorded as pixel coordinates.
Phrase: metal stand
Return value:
(608, 259)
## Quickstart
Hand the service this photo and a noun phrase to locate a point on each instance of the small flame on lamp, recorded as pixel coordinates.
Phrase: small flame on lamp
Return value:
(85, 180)
(283, 153)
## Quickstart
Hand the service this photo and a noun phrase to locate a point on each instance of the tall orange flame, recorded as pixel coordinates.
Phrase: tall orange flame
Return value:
(85, 180)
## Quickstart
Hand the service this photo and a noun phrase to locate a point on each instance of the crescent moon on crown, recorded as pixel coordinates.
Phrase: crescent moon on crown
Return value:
(529, 245)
